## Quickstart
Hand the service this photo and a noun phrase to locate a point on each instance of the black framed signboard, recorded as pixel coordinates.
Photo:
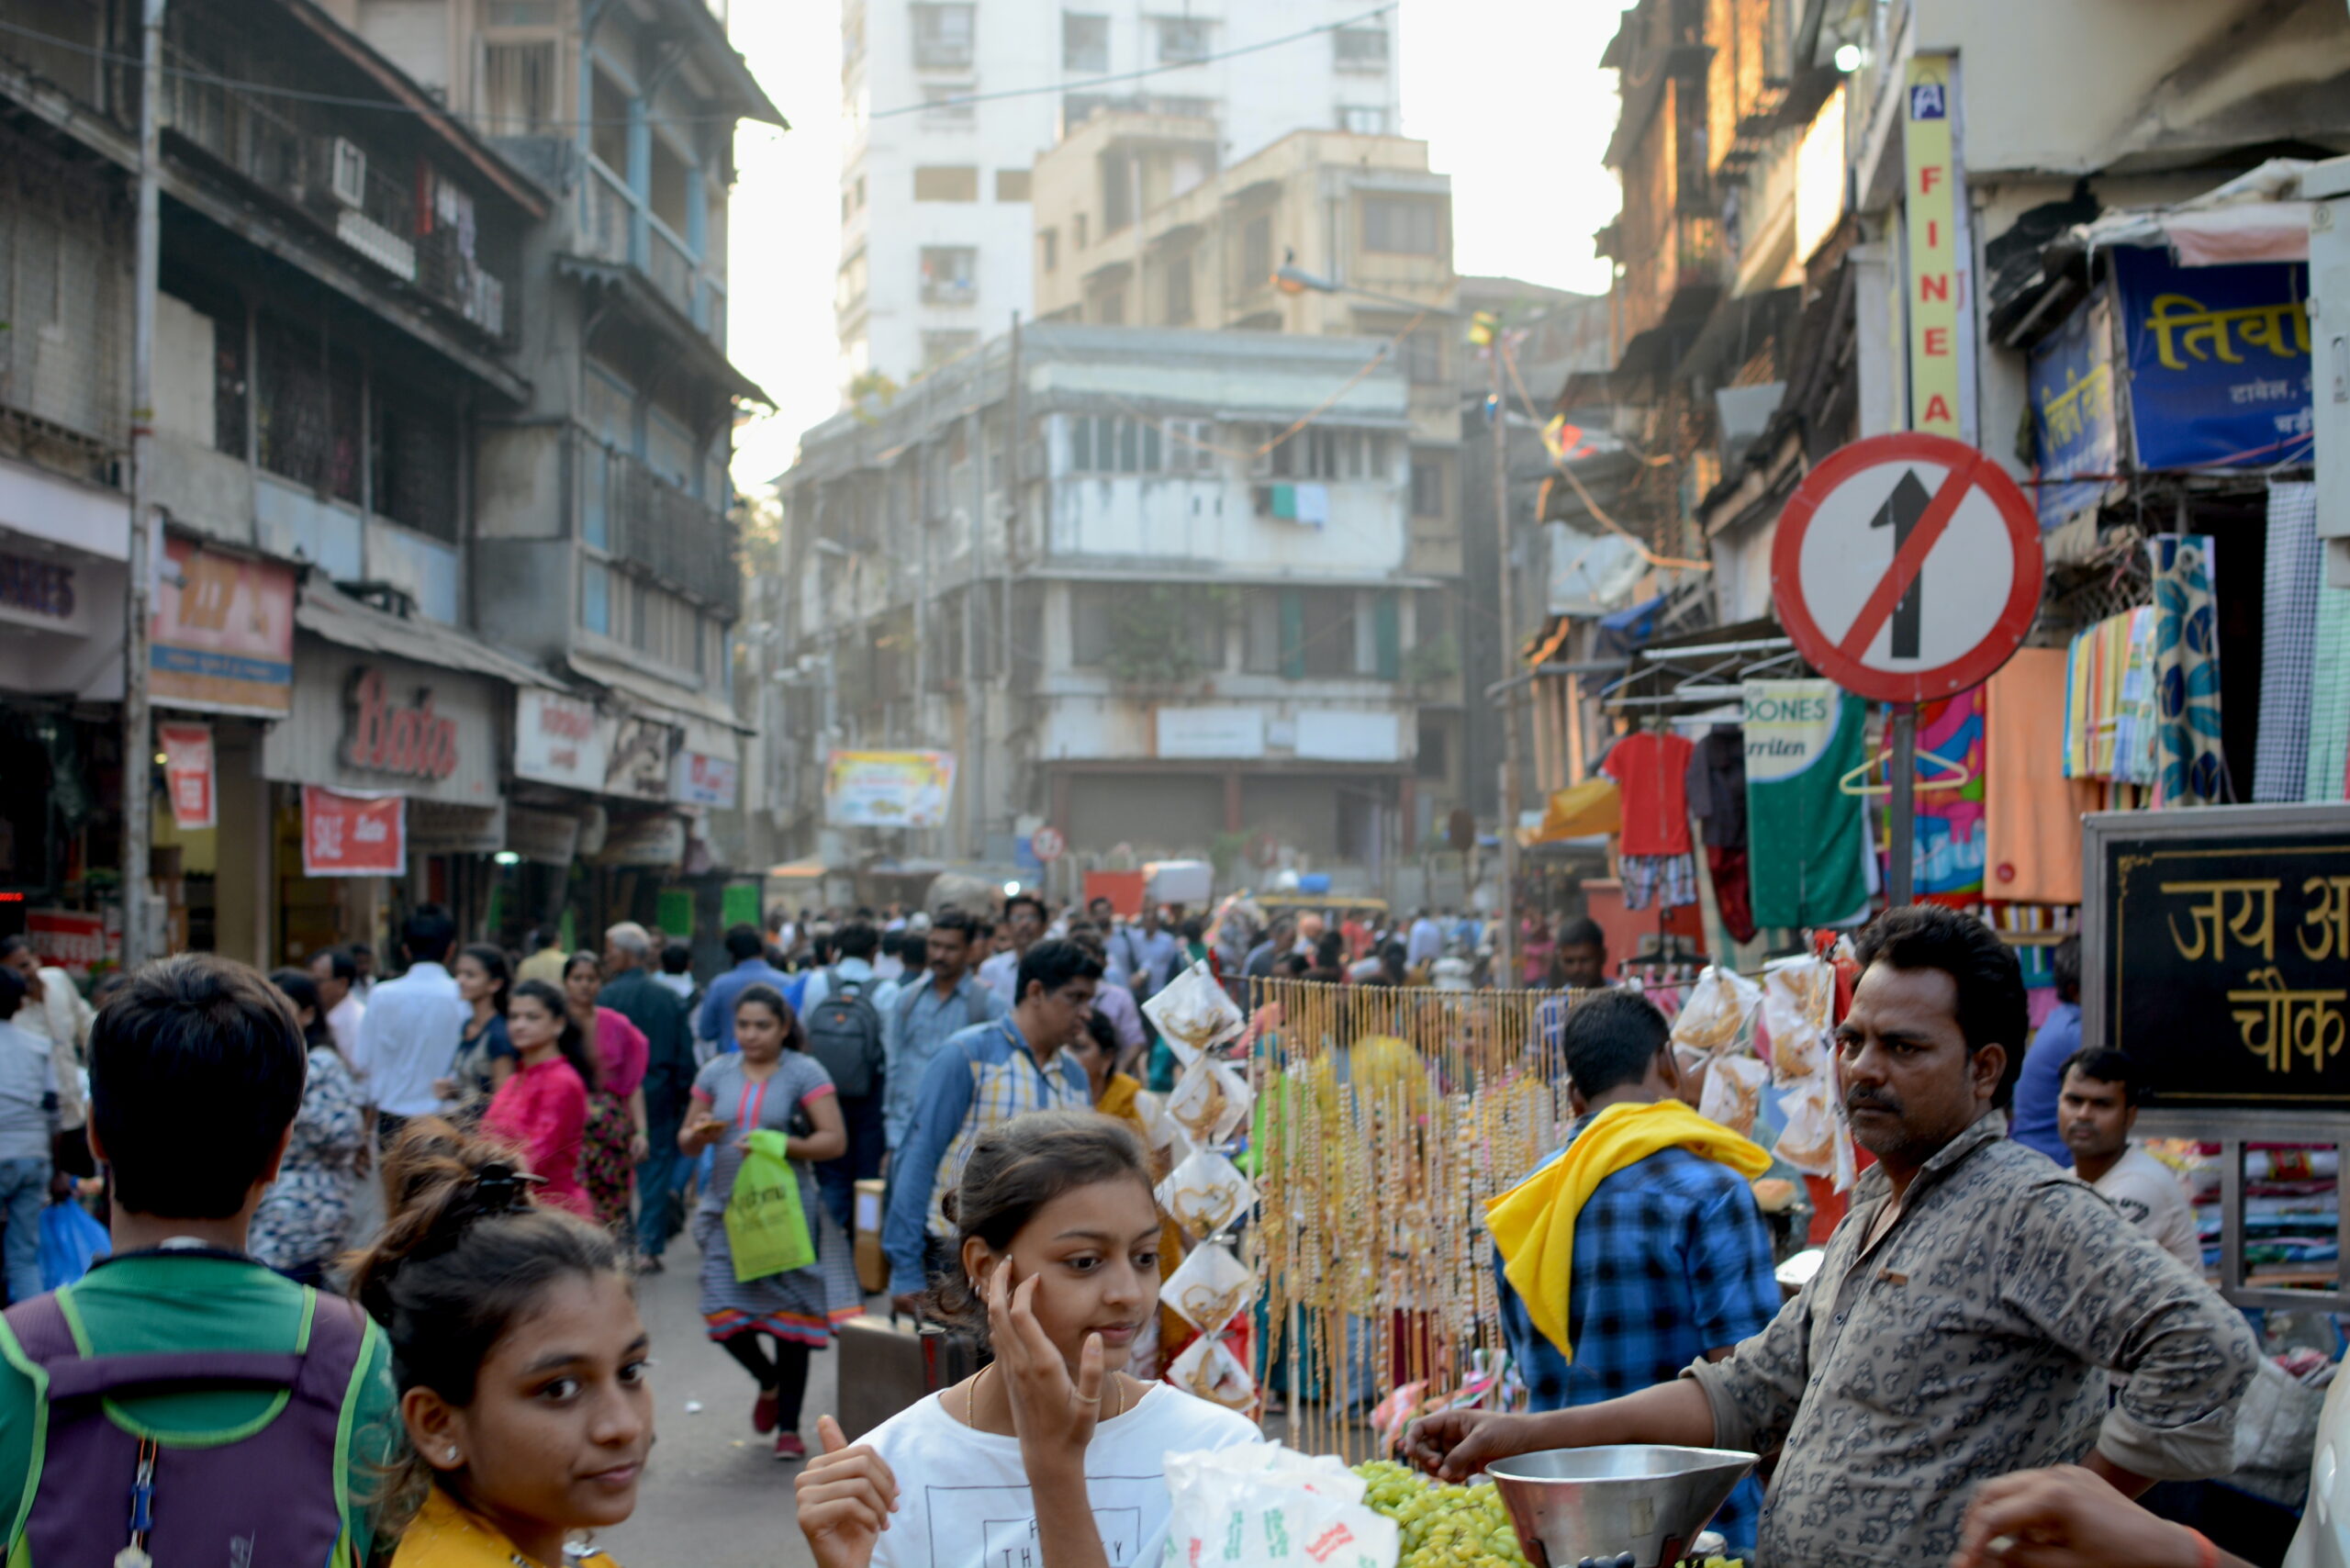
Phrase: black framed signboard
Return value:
(2222, 956)
(2215, 950)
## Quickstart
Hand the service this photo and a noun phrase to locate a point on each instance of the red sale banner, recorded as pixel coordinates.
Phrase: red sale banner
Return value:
(345, 835)
(187, 773)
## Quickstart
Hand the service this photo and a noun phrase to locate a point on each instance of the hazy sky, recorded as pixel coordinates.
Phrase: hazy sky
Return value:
(1507, 93)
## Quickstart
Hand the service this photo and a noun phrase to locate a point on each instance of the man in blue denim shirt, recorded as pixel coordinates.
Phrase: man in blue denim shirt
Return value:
(27, 1122)
(984, 1076)
(1672, 1258)
(748, 949)
(929, 1010)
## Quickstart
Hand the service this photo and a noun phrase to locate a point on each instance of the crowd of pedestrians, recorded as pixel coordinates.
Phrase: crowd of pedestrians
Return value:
(472, 1385)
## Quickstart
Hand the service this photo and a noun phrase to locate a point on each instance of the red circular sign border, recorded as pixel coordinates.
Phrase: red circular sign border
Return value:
(1061, 845)
(2006, 633)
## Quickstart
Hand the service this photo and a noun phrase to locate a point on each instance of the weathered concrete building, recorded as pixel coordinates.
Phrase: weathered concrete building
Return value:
(1189, 623)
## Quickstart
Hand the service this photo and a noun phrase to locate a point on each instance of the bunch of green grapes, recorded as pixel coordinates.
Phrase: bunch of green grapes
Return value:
(1442, 1526)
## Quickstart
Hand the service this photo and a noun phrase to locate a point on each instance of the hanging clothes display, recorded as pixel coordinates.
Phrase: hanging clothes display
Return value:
(1806, 838)
(1716, 786)
(1652, 771)
(1947, 859)
(2110, 725)
(2295, 565)
(2329, 747)
(2187, 672)
(2032, 811)
(1667, 880)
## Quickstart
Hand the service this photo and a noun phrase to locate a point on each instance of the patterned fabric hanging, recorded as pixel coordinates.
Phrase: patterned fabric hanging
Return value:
(2187, 671)
(2294, 563)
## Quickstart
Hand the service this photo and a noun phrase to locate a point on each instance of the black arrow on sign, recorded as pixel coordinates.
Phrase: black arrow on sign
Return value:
(1900, 513)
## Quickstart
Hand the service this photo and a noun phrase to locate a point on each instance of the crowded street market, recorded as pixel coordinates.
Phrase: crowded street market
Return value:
(1502, 786)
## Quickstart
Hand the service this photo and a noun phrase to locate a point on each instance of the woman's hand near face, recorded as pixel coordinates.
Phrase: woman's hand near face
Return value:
(846, 1495)
(1054, 1415)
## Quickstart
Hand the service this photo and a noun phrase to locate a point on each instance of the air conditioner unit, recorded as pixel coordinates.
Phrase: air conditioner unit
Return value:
(349, 173)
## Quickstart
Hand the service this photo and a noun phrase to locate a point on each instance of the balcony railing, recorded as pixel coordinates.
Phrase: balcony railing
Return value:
(360, 192)
(605, 213)
(679, 539)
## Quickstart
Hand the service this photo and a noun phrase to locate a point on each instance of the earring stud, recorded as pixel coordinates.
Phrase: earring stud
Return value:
(452, 1456)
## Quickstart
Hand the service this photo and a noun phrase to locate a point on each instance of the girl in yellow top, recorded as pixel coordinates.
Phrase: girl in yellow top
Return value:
(519, 1357)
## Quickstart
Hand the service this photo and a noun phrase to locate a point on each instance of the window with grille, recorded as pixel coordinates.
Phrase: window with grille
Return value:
(414, 455)
(946, 182)
(949, 104)
(1409, 226)
(1319, 454)
(1428, 475)
(1049, 250)
(595, 597)
(950, 274)
(1185, 38)
(518, 88)
(665, 628)
(942, 37)
(1359, 49)
(1085, 43)
(1326, 632)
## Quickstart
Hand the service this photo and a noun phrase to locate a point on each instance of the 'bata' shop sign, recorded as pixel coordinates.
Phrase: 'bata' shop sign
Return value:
(388, 734)
(365, 722)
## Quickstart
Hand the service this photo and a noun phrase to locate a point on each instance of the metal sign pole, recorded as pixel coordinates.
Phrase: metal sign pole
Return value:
(1902, 774)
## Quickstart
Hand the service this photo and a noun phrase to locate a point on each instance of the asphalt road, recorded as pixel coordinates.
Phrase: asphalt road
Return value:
(714, 1496)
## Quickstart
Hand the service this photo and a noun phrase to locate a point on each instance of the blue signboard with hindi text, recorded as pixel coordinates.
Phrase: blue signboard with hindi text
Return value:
(2071, 381)
(2219, 368)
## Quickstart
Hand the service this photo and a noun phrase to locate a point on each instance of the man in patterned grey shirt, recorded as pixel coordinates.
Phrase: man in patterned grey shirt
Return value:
(1965, 1315)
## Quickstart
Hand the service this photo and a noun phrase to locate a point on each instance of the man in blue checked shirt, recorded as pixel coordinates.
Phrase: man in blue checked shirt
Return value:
(1672, 1258)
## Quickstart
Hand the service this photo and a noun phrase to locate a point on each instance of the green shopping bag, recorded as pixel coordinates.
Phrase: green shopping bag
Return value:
(767, 1230)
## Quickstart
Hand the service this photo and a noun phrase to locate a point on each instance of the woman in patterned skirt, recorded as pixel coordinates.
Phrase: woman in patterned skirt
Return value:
(768, 1082)
(301, 1223)
(614, 1141)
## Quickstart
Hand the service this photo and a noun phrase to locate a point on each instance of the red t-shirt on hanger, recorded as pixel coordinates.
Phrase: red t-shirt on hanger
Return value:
(1651, 770)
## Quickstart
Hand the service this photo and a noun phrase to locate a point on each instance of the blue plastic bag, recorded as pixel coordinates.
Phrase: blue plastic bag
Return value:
(69, 1242)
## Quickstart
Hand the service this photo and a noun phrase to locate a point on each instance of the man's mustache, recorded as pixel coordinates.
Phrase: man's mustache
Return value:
(1864, 1099)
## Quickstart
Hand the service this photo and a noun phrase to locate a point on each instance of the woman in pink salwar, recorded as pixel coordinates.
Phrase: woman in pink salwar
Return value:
(542, 1110)
(614, 1141)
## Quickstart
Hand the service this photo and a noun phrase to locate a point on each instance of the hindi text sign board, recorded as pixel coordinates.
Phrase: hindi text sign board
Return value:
(1907, 568)
(2216, 950)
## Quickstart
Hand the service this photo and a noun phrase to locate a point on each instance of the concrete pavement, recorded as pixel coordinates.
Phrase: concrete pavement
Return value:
(713, 1495)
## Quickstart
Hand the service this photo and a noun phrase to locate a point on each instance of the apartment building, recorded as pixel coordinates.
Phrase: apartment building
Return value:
(608, 544)
(1189, 623)
(949, 103)
(438, 460)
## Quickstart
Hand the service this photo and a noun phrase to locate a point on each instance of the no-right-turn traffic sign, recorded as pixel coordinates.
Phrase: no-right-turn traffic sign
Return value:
(1907, 568)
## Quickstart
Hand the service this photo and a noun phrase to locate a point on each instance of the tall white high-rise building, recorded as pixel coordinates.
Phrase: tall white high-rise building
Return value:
(936, 246)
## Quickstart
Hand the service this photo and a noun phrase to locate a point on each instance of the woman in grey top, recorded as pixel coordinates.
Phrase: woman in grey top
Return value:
(768, 1082)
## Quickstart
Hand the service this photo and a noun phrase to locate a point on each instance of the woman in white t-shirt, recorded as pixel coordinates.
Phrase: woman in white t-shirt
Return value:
(1051, 1456)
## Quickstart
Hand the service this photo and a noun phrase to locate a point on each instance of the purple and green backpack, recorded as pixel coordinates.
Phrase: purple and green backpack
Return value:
(106, 1493)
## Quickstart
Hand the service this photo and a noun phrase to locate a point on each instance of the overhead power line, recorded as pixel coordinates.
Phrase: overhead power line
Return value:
(1080, 87)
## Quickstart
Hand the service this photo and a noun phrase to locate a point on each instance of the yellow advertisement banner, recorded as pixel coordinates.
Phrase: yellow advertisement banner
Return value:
(1933, 274)
(887, 789)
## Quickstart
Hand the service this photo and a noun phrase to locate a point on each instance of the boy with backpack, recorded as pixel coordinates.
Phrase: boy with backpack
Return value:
(181, 1402)
(843, 1029)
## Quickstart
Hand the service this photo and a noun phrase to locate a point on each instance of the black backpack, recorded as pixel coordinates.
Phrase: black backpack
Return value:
(844, 1036)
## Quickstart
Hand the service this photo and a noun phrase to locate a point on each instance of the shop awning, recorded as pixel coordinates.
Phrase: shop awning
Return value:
(676, 701)
(1580, 811)
(806, 870)
(325, 612)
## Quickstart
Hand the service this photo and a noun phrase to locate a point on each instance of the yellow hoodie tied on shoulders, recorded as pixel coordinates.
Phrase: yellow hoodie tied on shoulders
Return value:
(1533, 1224)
